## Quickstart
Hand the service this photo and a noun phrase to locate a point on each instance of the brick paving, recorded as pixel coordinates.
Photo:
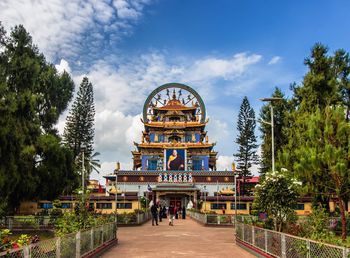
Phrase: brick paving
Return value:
(186, 238)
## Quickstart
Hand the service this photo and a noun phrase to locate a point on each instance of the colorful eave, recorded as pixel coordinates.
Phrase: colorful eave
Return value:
(162, 145)
(174, 124)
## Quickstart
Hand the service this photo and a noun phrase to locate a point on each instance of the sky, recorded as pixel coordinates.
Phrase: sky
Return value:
(224, 49)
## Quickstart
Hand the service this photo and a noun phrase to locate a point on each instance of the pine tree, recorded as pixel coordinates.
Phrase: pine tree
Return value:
(318, 130)
(322, 157)
(79, 130)
(246, 141)
(280, 109)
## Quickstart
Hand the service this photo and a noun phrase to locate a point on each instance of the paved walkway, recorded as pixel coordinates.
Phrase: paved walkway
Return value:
(186, 238)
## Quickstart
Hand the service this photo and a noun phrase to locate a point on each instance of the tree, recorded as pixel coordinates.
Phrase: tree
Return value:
(280, 109)
(276, 195)
(246, 141)
(317, 123)
(32, 96)
(79, 130)
(323, 158)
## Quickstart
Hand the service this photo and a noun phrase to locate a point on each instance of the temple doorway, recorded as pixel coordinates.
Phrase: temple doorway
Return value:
(176, 202)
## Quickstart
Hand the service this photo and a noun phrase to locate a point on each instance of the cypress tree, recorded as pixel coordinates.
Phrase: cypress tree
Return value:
(79, 130)
(246, 141)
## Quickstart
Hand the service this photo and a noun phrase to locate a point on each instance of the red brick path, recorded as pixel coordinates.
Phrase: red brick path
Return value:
(186, 238)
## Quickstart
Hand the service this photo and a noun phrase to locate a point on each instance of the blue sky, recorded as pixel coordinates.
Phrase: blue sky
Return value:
(223, 49)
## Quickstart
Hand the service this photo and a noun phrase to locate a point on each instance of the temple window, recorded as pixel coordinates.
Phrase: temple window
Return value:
(152, 164)
(45, 205)
(160, 138)
(103, 205)
(240, 206)
(218, 206)
(66, 205)
(197, 164)
(188, 138)
(127, 205)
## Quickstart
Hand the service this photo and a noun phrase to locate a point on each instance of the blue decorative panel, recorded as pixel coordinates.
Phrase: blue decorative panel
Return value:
(144, 162)
(206, 162)
(198, 137)
(197, 164)
(151, 137)
(152, 164)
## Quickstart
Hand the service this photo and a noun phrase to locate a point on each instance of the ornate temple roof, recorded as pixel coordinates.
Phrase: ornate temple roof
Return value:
(175, 104)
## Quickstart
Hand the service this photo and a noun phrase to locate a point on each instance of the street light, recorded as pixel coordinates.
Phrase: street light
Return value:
(205, 198)
(82, 149)
(272, 128)
(116, 192)
(138, 197)
(235, 182)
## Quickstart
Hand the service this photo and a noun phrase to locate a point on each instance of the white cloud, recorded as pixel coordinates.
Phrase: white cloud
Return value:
(63, 66)
(274, 60)
(64, 28)
(209, 68)
(224, 163)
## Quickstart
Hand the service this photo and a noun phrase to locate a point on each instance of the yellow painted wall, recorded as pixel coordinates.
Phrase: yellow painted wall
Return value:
(207, 207)
(31, 208)
(28, 208)
(307, 209)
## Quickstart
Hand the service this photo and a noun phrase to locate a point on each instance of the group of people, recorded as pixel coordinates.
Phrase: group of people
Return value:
(160, 212)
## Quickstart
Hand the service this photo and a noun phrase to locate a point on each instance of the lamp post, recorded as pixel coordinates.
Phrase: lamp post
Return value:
(272, 128)
(82, 149)
(116, 193)
(235, 182)
(138, 197)
(205, 198)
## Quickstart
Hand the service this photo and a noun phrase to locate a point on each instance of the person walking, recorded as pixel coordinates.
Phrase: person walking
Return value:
(171, 214)
(176, 212)
(160, 212)
(154, 212)
(183, 212)
(164, 212)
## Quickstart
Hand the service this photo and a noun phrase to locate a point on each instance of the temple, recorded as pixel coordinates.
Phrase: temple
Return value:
(175, 163)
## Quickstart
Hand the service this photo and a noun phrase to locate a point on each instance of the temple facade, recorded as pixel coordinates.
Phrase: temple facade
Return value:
(174, 162)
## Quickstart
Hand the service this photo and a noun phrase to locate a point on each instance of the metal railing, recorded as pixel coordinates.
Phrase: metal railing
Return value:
(212, 219)
(26, 222)
(287, 246)
(133, 219)
(78, 244)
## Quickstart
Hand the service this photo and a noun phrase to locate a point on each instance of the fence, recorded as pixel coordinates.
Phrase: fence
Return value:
(26, 222)
(286, 246)
(212, 219)
(78, 244)
(133, 219)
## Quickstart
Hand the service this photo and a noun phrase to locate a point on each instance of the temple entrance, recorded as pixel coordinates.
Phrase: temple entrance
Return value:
(176, 202)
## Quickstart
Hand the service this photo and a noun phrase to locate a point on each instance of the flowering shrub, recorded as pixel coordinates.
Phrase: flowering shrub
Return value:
(6, 243)
(276, 195)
